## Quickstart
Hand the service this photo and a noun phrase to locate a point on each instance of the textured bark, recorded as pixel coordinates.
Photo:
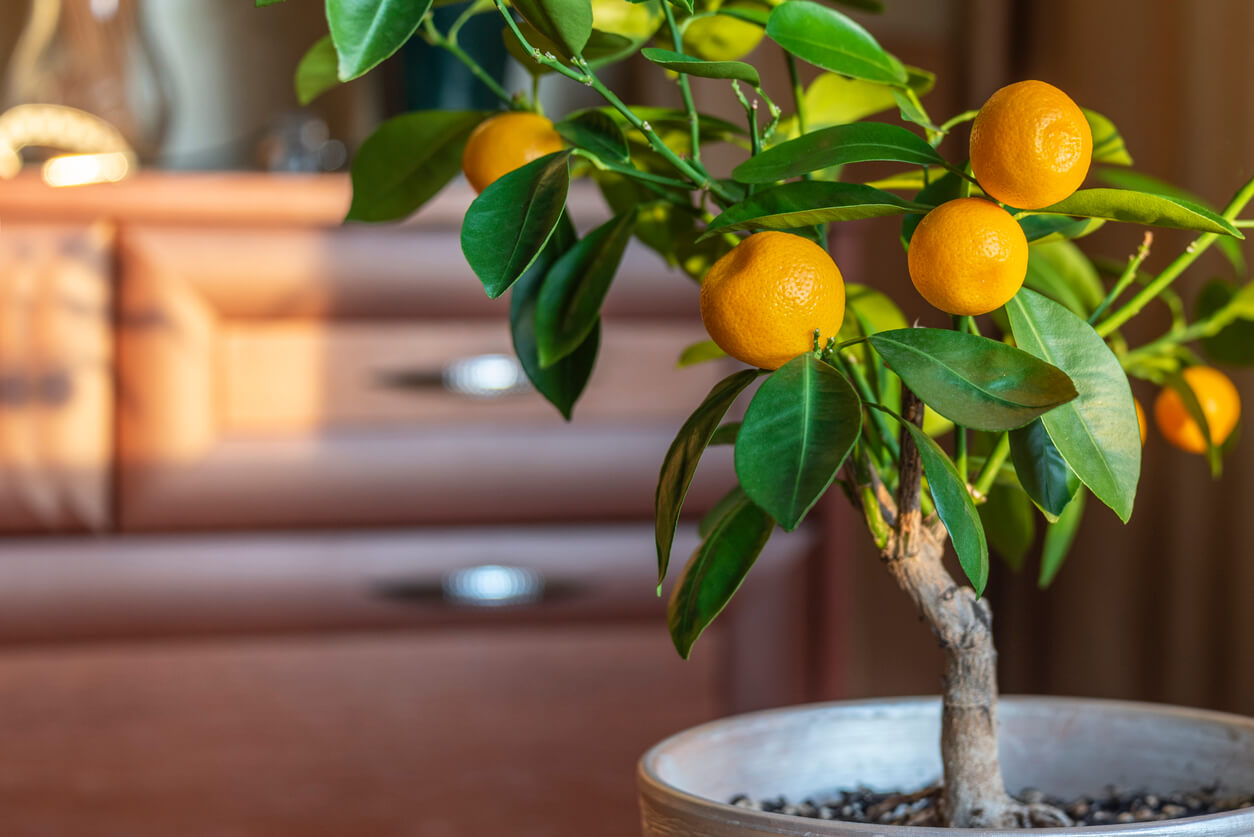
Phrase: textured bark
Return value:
(974, 792)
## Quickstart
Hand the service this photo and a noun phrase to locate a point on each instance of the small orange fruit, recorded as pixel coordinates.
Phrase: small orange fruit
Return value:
(1030, 145)
(1140, 419)
(503, 143)
(968, 257)
(1221, 405)
(762, 301)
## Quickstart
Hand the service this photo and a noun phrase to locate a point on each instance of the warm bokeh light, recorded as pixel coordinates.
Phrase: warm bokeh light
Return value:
(82, 169)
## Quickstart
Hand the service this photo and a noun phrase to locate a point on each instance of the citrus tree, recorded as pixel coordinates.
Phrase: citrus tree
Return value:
(1028, 388)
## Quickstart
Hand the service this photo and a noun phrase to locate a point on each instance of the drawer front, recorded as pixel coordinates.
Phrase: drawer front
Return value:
(305, 378)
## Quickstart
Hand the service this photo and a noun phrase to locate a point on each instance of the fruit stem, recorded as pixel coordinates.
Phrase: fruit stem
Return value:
(960, 432)
(863, 386)
(798, 95)
(450, 45)
(1178, 266)
(1126, 278)
(988, 474)
(685, 88)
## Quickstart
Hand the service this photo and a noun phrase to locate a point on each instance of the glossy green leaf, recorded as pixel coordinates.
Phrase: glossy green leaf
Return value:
(1097, 433)
(945, 188)
(838, 145)
(575, 288)
(1234, 343)
(680, 463)
(1142, 208)
(601, 48)
(1009, 521)
(806, 203)
(715, 572)
(1060, 271)
(687, 64)
(1108, 145)
(1040, 229)
(1059, 537)
(366, 32)
(971, 380)
(833, 99)
(567, 23)
(1042, 471)
(727, 503)
(317, 71)
(407, 160)
(508, 225)
(563, 382)
(800, 426)
(700, 352)
(955, 508)
(726, 434)
(596, 132)
(828, 39)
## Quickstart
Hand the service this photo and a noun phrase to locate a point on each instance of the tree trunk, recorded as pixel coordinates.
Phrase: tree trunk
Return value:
(974, 792)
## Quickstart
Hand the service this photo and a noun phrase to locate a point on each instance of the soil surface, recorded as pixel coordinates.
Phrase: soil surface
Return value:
(921, 808)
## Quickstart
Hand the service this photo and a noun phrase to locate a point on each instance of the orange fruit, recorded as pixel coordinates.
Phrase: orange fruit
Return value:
(968, 257)
(1140, 419)
(1030, 145)
(503, 143)
(762, 301)
(1221, 405)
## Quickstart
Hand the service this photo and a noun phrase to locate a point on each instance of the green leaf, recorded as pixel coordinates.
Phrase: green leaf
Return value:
(726, 434)
(838, 145)
(263, 3)
(1039, 229)
(833, 99)
(594, 131)
(1108, 145)
(828, 39)
(682, 5)
(1097, 433)
(407, 160)
(567, 23)
(682, 458)
(809, 202)
(1234, 344)
(1009, 524)
(715, 572)
(602, 48)
(945, 188)
(575, 287)
(1042, 471)
(680, 63)
(700, 352)
(563, 382)
(971, 380)
(366, 32)
(800, 426)
(1142, 208)
(729, 501)
(1059, 537)
(316, 73)
(509, 223)
(1060, 271)
(712, 128)
(954, 506)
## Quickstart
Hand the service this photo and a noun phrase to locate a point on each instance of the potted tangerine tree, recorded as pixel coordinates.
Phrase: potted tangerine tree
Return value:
(1032, 378)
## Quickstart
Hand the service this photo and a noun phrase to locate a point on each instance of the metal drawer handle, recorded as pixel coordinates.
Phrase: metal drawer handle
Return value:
(492, 585)
(478, 376)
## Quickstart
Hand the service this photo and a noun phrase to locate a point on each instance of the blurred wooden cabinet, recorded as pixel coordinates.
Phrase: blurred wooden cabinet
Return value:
(225, 604)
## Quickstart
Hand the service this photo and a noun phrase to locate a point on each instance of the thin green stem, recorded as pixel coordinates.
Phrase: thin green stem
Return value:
(950, 124)
(1178, 266)
(450, 44)
(992, 465)
(685, 88)
(1243, 223)
(798, 95)
(1126, 278)
(960, 432)
(863, 386)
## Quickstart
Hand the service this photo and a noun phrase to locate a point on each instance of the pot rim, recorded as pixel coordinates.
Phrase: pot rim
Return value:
(649, 781)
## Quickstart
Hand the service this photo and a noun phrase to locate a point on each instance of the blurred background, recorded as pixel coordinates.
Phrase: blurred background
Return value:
(289, 546)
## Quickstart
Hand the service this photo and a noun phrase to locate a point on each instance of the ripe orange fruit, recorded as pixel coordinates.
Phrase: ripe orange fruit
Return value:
(1030, 145)
(503, 143)
(968, 257)
(1221, 405)
(1140, 419)
(762, 301)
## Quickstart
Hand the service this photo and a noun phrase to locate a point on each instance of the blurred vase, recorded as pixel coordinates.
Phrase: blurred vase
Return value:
(83, 79)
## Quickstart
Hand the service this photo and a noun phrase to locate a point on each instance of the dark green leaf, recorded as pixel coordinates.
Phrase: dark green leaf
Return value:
(808, 202)
(317, 71)
(726, 434)
(407, 160)
(799, 428)
(700, 353)
(1142, 208)
(366, 32)
(264, 3)
(875, 6)
(1009, 523)
(508, 225)
(715, 572)
(1097, 433)
(601, 49)
(729, 501)
(1108, 145)
(575, 287)
(680, 63)
(826, 38)
(856, 143)
(1049, 228)
(563, 382)
(1042, 471)
(567, 23)
(1059, 537)
(682, 458)
(1060, 271)
(1234, 344)
(594, 131)
(947, 187)
(971, 380)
